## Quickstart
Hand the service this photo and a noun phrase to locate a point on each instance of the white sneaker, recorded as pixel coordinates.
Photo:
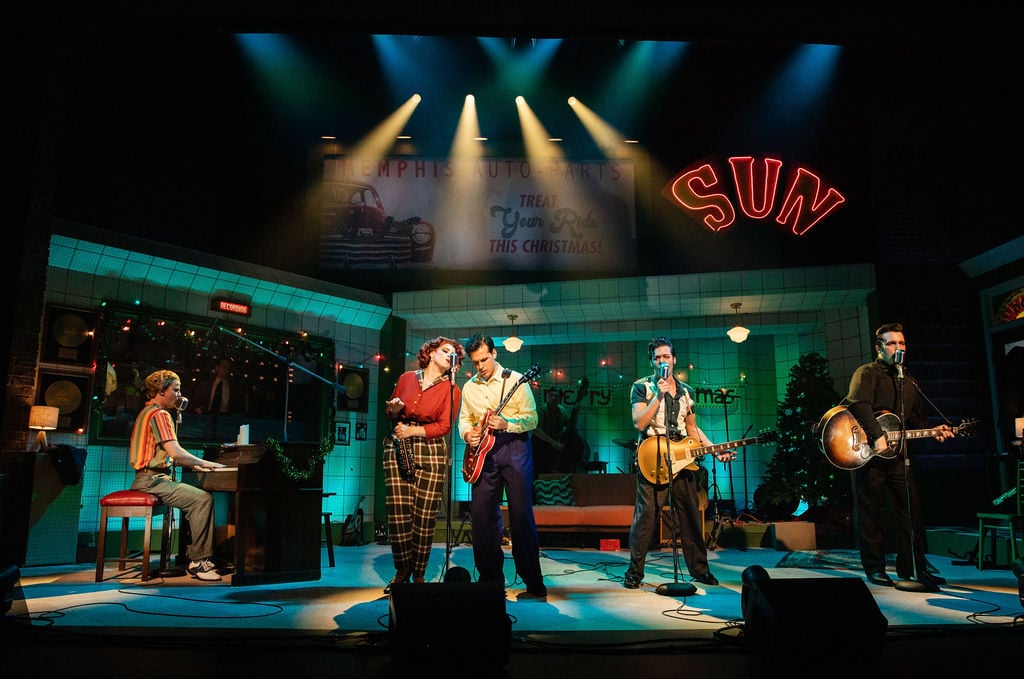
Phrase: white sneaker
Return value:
(203, 570)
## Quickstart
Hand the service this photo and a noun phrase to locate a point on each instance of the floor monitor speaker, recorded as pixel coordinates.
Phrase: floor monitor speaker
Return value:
(804, 620)
(449, 624)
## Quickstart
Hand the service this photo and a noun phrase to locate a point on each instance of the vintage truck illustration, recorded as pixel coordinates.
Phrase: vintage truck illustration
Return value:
(357, 232)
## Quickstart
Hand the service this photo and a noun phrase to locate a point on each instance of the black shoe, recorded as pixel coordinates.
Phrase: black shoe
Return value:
(880, 579)
(631, 581)
(931, 579)
(533, 594)
(707, 579)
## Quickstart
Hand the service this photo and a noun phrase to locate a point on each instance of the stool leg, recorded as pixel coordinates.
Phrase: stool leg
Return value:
(124, 545)
(981, 544)
(146, 546)
(101, 543)
(1014, 526)
(165, 541)
(328, 533)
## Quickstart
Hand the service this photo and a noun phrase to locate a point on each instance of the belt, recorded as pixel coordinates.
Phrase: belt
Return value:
(155, 470)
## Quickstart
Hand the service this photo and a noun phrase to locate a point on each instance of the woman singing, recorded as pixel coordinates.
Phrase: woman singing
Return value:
(416, 458)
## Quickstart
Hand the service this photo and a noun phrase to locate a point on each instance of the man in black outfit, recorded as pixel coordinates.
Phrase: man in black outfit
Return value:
(663, 406)
(884, 385)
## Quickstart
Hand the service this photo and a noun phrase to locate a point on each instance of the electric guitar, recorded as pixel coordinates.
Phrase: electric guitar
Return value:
(682, 454)
(846, 445)
(473, 461)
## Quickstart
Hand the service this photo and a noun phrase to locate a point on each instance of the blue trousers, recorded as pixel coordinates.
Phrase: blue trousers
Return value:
(508, 471)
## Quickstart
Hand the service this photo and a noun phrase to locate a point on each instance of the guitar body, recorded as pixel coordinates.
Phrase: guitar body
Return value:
(843, 440)
(659, 458)
(474, 457)
(473, 460)
(845, 443)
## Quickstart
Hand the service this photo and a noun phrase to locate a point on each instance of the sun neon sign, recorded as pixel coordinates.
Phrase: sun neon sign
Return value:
(806, 200)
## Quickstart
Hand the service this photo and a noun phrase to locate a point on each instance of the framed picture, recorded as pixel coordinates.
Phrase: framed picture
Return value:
(69, 393)
(357, 387)
(342, 433)
(68, 336)
(360, 431)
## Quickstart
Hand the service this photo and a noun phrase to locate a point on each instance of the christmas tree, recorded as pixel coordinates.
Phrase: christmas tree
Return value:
(799, 470)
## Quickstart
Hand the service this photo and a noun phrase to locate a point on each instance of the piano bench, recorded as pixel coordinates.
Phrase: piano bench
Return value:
(125, 505)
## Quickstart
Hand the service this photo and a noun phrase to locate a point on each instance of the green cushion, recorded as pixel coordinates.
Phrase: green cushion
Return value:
(553, 491)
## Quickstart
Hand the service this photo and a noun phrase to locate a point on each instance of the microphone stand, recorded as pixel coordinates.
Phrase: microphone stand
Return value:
(732, 487)
(746, 500)
(914, 584)
(340, 388)
(674, 588)
(455, 575)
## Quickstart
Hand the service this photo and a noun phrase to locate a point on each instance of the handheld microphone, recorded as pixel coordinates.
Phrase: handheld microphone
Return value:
(664, 370)
(897, 360)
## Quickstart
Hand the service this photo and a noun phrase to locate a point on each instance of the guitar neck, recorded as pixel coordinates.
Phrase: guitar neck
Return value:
(912, 434)
(716, 448)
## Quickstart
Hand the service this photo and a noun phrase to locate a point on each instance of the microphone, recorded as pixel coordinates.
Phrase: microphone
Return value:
(453, 360)
(182, 403)
(897, 360)
(664, 370)
(506, 373)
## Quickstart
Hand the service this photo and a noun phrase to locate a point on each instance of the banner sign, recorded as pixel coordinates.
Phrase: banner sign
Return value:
(480, 213)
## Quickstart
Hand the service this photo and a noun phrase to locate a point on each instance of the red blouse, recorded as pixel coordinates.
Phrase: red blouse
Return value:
(430, 407)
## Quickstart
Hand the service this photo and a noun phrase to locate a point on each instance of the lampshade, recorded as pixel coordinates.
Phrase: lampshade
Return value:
(43, 418)
(738, 333)
(513, 343)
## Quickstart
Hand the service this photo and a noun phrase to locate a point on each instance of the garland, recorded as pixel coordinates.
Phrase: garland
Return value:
(288, 467)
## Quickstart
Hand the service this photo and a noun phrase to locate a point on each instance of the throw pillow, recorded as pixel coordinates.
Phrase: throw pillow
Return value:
(553, 491)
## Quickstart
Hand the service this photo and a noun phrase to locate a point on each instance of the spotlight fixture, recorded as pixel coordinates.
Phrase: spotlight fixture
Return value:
(513, 343)
(738, 333)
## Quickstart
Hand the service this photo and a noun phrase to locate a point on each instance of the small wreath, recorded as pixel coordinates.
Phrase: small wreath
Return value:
(288, 467)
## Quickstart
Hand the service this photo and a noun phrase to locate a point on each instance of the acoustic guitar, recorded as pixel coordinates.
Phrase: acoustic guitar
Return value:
(660, 458)
(845, 443)
(473, 461)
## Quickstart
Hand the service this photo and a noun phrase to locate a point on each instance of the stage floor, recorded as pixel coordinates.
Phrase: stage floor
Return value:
(61, 620)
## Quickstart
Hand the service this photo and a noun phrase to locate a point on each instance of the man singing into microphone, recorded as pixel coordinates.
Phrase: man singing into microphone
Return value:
(662, 405)
(884, 385)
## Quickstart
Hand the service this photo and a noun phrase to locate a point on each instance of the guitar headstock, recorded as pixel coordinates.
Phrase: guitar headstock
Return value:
(530, 374)
(768, 436)
(968, 427)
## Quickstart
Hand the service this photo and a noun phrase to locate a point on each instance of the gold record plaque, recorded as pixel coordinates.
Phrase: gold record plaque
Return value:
(67, 393)
(69, 335)
(356, 382)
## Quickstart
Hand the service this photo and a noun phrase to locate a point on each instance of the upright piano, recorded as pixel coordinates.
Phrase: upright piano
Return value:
(267, 521)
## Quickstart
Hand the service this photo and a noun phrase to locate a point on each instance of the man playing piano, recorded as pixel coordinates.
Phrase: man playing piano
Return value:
(153, 448)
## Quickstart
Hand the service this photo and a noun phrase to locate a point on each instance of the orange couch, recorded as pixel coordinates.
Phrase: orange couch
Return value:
(604, 504)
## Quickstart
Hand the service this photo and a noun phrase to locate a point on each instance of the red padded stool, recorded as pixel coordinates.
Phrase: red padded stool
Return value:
(125, 505)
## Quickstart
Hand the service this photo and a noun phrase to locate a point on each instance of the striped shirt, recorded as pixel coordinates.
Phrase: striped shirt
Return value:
(153, 427)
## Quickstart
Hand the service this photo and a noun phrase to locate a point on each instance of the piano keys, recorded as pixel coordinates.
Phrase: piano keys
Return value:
(267, 524)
